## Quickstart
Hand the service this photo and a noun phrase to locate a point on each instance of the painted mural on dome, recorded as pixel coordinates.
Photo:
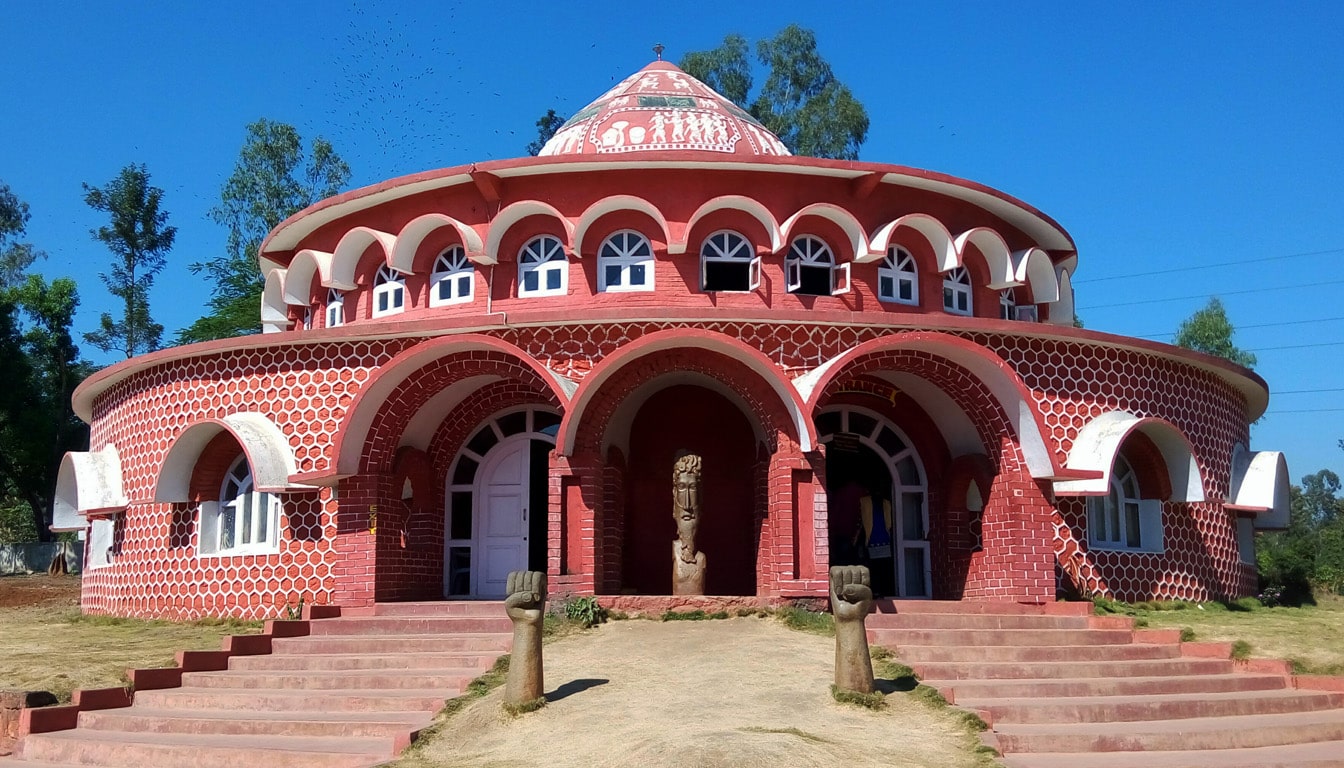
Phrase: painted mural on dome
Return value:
(662, 108)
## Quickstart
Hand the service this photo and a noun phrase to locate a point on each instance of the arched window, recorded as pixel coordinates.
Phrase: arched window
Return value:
(1007, 305)
(389, 292)
(453, 279)
(625, 263)
(543, 269)
(729, 263)
(810, 269)
(335, 308)
(897, 278)
(1122, 519)
(244, 520)
(957, 292)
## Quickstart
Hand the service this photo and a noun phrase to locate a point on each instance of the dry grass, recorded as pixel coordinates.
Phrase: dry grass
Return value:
(1312, 637)
(47, 645)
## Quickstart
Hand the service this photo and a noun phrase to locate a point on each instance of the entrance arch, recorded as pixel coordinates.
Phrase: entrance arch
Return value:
(495, 511)
(872, 467)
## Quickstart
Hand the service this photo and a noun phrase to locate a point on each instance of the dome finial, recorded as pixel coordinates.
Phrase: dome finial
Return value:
(658, 49)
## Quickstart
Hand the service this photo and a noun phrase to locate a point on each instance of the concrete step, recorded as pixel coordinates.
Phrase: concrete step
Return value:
(889, 605)
(470, 660)
(1106, 686)
(451, 681)
(379, 644)
(1111, 709)
(1197, 733)
(490, 608)
(915, 653)
(1014, 670)
(1317, 755)
(346, 700)
(255, 723)
(972, 621)
(409, 625)
(136, 750)
(1019, 637)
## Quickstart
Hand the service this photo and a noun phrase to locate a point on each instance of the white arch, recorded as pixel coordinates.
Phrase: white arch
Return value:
(1061, 311)
(1099, 441)
(299, 276)
(995, 250)
(87, 482)
(512, 214)
(1260, 484)
(858, 240)
(345, 259)
(274, 317)
(939, 239)
(1032, 266)
(747, 205)
(617, 203)
(419, 228)
(269, 455)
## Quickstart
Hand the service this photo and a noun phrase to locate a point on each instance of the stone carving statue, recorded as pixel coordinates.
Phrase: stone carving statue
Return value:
(525, 605)
(851, 600)
(688, 563)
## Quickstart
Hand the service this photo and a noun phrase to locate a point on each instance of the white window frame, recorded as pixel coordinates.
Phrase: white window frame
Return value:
(811, 252)
(1246, 539)
(307, 321)
(628, 252)
(728, 247)
(543, 256)
(957, 291)
(449, 268)
(899, 267)
(1028, 314)
(1007, 305)
(255, 517)
(335, 309)
(1122, 519)
(389, 292)
(101, 542)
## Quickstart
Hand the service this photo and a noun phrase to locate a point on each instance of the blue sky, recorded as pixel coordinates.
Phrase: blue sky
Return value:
(1162, 136)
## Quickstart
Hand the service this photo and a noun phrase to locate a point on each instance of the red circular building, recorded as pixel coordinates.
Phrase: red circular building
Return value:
(484, 368)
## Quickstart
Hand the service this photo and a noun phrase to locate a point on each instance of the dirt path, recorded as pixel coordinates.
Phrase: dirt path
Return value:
(739, 692)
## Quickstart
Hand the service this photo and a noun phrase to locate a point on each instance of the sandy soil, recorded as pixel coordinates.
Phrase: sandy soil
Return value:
(739, 692)
(23, 591)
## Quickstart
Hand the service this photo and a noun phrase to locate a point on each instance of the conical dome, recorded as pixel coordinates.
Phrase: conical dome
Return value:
(661, 108)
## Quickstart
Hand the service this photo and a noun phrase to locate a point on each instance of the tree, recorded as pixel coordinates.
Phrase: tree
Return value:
(802, 102)
(15, 257)
(1309, 554)
(139, 238)
(1209, 331)
(547, 125)
(273, 179)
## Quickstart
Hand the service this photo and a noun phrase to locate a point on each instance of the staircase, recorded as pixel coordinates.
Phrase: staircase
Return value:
(350, 694)
(1062, 688)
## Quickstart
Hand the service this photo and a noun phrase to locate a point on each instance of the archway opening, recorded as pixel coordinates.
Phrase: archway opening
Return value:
(687, 417)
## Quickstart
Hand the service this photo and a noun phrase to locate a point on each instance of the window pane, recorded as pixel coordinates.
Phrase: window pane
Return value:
(828, 423)
(530, 281)
(464, 285)
(886, 286)
(553, 280)
(513, 423)
(915, 585)
(482, 441)
(397, 299)
(1113, 522)
(382, 301)
(963, 302)
(465, 472)
(264, 502)
(912, 516)
(907, 471)
(613, 273)
(890, 442)
(541, 420)
(227, 519)
(459, 570)
(948, 301)
(1132, 534)
(247, 512)
(445, 290)
(459, 525)
(861, 425)
(637, 274)
(727, 276)
(907, 290)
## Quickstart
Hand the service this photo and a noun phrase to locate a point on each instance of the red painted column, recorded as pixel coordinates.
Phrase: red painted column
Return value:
(355, 566)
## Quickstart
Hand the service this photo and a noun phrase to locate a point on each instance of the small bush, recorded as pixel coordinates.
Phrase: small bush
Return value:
(1241, 650)
(586, 611)
(872, 700)
(1271, 596)
(1187, 635)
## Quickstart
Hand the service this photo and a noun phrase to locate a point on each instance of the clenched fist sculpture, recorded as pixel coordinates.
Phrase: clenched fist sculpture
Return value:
(851, 600)
(525, 605)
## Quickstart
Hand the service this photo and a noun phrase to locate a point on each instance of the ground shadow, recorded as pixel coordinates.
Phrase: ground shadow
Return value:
(575, 686)
(899, 685)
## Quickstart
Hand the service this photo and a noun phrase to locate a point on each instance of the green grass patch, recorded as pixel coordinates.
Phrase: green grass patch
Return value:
(874, 700)
(1187, 635)
(929, 695)
(476, 689)
(695, 615)
(522, 708)
(804, 735)
(1241, 650)
(816, 622)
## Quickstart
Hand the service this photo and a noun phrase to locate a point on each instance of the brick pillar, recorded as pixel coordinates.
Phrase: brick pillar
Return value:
(793, 552)
(355, 564)
(1018, 561)
(575, 553)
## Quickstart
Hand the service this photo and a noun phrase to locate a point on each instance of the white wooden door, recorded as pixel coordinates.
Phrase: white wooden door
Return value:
(502, 506)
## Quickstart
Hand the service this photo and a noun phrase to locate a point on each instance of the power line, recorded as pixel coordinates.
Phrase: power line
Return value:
(1248, 327)
(1208, 295)
(1299, 346)
(1308, 410)
(1174, 270)
(1306, 391)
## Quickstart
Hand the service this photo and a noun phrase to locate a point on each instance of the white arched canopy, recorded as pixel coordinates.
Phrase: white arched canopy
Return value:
(268, 452)
(997, 258)
(353, 244)
(1061, 312)
(299, 275)
(858, 240)
(416, 230)
(1033, 267)
(516, 212)
(1260, 484)
(88, 482)
(617, 203)
(931, 229)
(747, 205)
(1099, 441)
(274, 317)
